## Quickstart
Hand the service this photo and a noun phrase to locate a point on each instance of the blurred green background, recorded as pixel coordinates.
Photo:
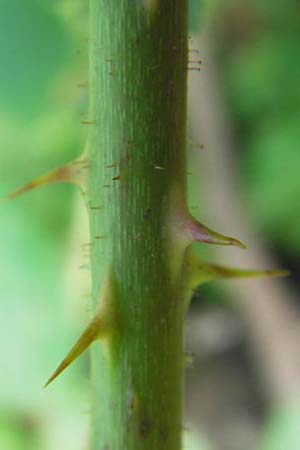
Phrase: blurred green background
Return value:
(43, 48)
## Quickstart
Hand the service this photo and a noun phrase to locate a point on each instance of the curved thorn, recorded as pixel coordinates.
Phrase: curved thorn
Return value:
(187, 229)
(201, 233)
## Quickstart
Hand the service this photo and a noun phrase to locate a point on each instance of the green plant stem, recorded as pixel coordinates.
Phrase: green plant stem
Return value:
(137, 140)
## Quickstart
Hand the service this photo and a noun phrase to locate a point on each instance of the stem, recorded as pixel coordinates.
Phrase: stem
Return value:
(138, 57)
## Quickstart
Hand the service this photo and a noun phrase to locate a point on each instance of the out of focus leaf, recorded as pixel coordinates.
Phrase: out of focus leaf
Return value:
(194, 14)
(264, 77)
(34, 45)
(17, 432)
(272, 166)
(283, 430)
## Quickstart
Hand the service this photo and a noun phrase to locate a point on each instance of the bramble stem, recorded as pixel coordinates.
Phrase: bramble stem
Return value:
(138, 57)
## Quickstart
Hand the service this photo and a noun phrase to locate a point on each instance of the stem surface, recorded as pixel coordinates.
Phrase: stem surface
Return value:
(137, 139)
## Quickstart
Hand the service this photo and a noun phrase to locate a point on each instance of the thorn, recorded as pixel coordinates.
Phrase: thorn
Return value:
(73, 172)
(200, 272)
(184, 230)
(99, 237)
(100, 327)
(228, 272)
(118, 177)
(85, 340)
(200, 233)
(62, 174)
(57, 175)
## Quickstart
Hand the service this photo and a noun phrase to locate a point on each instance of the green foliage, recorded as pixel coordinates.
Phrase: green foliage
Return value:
(39, 128)
(262, 74)
(35, 46)
(272, 170)
(194, 15)
(282, 431)
(18, 432)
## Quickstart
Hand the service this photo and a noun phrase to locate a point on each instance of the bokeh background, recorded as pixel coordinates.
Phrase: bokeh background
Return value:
(243, 337)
